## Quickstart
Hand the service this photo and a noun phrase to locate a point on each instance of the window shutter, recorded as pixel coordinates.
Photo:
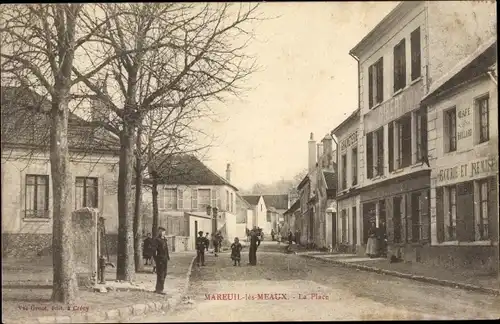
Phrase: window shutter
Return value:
(402, 65)
(391, 146)
(389, 219)
(194, 199)
(180, 199)
(396, 68)
(424, 215)
(465, 212)
(370, 86)
(408, 215)
(369, 155)
(380, 81)
(493, 208)
(440, 214)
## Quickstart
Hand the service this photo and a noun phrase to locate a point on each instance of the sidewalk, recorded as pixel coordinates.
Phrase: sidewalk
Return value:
(456, 278)
(27, 288)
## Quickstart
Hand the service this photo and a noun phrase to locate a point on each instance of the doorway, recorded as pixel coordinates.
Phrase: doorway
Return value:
(354, 227)
(334, 229)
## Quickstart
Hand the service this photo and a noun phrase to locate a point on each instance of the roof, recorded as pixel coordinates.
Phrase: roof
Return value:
(330, 179)
(351, 117)
(185, 169)
(26, 122)
(240, 198)
(252, 200)
(392, 17)
(276, 201)
(476, 64)
(294, 207)
(303, 182)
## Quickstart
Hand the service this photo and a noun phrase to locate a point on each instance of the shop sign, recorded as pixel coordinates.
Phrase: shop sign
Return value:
(465, 171)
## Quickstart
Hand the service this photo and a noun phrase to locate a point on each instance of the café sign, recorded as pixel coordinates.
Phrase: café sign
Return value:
(351, 140)
(469, 170)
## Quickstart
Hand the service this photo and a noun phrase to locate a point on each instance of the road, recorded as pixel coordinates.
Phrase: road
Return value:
(308, 290)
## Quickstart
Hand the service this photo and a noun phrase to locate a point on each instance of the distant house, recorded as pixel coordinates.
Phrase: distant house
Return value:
(290, 217)
(26, 172)
(277, 205)
(259, 211)
(187, 193)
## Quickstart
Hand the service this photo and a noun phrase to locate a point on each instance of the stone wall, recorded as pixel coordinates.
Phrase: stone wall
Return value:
(25, 245)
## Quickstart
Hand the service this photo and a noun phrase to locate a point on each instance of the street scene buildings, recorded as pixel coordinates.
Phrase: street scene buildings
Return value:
(110, 193)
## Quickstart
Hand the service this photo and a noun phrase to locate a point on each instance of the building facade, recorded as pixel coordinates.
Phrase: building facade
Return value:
(259, 211)
(399, 61)
(348, 198)
(26, 176)
(463, 117)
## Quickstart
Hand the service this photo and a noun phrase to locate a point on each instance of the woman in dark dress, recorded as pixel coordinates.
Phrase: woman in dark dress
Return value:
(147, 250)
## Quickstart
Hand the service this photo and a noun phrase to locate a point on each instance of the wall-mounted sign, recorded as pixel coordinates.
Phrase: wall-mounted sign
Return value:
(469, 170)
(464, 124)
(350, 140)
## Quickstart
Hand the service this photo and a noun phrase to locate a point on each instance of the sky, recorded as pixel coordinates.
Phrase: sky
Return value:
(307, 82)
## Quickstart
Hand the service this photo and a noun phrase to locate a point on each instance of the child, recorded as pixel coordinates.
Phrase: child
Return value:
(236, 251)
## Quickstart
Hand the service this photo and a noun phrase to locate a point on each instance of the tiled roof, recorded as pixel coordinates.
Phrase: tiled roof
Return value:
(252, 200)
(294, 207)
(330, 179)
(276, 201)
(26, 122)
(184, 169)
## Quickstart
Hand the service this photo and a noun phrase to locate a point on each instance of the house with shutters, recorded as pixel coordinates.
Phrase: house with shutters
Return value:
(463, 114)
(399, 62)
(188, 192)
(26, 172)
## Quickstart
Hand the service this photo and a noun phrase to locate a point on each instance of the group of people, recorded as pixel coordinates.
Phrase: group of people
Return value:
(376, 246)
(203, 242)
(156, 249)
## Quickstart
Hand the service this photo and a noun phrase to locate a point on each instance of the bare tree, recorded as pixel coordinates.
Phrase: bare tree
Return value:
(39, 47)
(186, 53)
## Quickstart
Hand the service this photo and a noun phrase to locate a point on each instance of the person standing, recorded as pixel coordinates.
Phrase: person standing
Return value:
(236, 251)
(272, 234)
(161, 257)
(201, 246)
(371, 244)
(217, 242)
(148, 250)
(254, 244)
(382, 240)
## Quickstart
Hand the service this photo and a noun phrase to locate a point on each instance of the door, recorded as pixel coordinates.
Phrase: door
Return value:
(195, 230)
(334, 230)
(354, 227)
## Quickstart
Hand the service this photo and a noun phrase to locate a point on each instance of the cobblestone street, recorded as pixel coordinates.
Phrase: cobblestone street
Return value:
(302, 289)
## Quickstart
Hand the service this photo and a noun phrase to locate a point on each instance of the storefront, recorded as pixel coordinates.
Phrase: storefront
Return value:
(465, 214)
(401, 206)
(348, 231)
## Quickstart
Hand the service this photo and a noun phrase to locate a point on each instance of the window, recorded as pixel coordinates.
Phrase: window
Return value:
(194, 199)
(186, 199)
(36, 198)
(215, 195)
(450, 120)
(452, 214)
(344, 171)
(261, 207)
(227, 200)
(400, 66)
(482, 105)
(86, 192)
(404, 142)
(421, 134)
(376, 83)
(483, 210)
(415, 54)
(354, 163)
(268, 216)
(170, 199)
(203, 199)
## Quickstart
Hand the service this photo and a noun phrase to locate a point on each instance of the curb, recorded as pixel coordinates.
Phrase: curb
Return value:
(440, 282)
(118, 314)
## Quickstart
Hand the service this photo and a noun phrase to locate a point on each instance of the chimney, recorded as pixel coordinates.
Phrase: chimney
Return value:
(228, 172)
(328, 148)
(312, 153)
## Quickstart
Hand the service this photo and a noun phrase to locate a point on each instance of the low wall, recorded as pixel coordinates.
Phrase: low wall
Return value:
(26, 244)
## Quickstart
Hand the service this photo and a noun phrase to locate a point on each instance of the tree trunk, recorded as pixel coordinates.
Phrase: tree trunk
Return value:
(125, 262)
(65, 284)
(138, 203)
(154, 193)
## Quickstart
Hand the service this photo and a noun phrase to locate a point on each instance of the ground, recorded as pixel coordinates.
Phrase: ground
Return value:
(307, 290)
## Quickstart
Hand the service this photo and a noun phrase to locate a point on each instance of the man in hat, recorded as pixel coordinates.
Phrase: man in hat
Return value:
(161, 257)
(201, 244)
